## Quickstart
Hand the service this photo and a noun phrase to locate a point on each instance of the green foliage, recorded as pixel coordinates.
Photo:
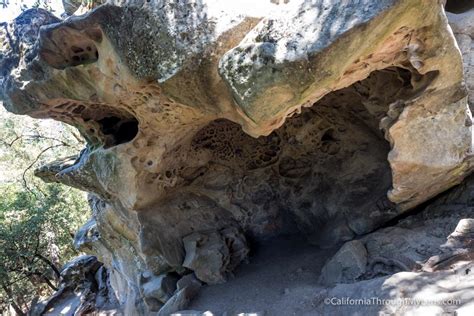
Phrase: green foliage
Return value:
(37, 220)
(44, 4)
(35, 239)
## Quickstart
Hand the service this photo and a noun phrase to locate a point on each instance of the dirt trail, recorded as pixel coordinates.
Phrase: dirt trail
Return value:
(280, 279)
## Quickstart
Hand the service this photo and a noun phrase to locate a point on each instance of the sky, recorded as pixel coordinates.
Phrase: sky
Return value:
(10, 9)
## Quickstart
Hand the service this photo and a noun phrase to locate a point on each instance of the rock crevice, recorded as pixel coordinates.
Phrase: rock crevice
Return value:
(210, 126)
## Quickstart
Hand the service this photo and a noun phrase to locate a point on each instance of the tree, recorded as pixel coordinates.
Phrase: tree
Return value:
(35, 238)
(37, 220)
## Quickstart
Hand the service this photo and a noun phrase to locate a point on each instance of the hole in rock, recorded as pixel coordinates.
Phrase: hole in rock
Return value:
(119, 130)
(299, 193)
(323, 174)
(77, 48)
(459, 6)
(328, 136)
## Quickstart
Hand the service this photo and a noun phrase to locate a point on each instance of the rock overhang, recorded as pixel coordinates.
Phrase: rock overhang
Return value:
(168, 105)
(308, 50)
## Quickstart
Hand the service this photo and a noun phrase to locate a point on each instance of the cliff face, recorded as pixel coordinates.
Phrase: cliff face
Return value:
(211, 124)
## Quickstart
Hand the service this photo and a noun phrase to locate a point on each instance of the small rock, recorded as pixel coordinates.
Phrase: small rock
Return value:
(213, 255)
(190, 282)
(156, 290)
(347, 265)
(181, 298)
(463, 235)
(465, 227)
(206, 254)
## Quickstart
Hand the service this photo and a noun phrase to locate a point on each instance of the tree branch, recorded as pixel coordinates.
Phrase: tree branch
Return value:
(33, 163)
(45, 278)
(14, 304)
(50, 264)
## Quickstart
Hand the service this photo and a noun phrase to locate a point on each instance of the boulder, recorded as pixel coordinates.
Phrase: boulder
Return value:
(84, 289)
(157, 290)
(463, 28)
(348, 264)
(213, 255)
(210, 122)
(188, 287)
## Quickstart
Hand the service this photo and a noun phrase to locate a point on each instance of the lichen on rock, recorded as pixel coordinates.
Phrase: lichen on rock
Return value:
(210, 125)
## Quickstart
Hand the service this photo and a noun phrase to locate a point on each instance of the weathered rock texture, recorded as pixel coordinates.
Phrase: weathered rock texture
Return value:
(426, 261)
(84, 290)
(463, 28)
(422, 264)
(209, 123)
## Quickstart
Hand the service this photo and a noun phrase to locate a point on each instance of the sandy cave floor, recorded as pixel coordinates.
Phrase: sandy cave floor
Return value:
(281, 278)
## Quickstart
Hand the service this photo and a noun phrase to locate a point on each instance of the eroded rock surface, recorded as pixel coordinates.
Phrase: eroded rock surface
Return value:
(462, 24)
(210, 124)
(84, 289)
(348, 264)
(422, 265)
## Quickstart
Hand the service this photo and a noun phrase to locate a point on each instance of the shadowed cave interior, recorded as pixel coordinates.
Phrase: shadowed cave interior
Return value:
(459, 6)
(319, 180)
(121, 130)
(324, 173)
(326, 169)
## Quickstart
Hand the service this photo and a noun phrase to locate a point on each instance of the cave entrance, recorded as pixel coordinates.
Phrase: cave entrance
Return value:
(100, 124)
(108, 129)
(118, 130)
(459, 6)
(324, 173)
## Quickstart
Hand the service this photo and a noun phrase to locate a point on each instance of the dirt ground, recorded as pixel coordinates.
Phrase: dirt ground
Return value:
(280, 279)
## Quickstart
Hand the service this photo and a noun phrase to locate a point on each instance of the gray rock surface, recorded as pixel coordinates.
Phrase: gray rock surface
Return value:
(211, 124)
(348, 264)
(188, 288)
(213, 255)
(84, 289)
(157, 290)
(413, 293)
(463, 28)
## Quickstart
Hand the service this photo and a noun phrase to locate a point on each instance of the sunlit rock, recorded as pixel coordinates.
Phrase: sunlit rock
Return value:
(259, 119)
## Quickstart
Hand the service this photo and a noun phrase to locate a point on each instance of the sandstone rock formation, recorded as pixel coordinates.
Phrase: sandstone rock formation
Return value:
(210, 124)
(427, 257)
(84, 289)
(463, 28)
(422, 264)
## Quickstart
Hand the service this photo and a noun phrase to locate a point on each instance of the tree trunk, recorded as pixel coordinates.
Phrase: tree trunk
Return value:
(13, 303)
(49, 263)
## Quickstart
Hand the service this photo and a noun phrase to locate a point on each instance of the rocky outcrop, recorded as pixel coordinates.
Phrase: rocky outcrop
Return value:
(348, 264)
(423, 264)
(84, 289)
(463, 28)
(211, 124)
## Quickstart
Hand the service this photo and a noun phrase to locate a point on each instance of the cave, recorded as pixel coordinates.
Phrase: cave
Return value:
(118, 130)
(323, 173)
(316, 182)
(459, 6)
(319, 180)
(290, 143)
